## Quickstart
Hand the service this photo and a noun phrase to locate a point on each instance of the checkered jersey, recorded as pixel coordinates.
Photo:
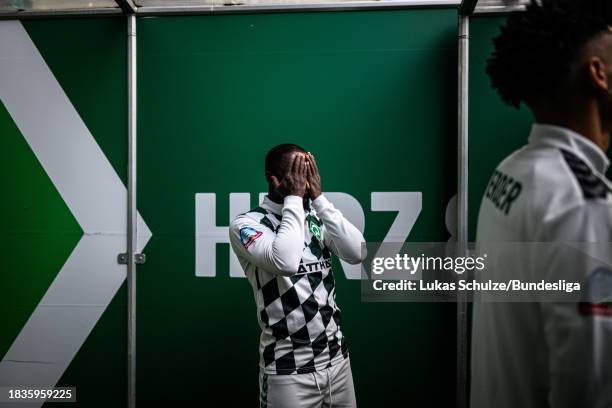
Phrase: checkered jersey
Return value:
(298, 314)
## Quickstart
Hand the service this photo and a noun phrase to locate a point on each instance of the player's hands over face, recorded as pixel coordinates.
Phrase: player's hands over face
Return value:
(294, 182)
(313, 177)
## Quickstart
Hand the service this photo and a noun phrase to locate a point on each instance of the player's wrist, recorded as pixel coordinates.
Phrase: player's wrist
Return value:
(320, 203)
(292, 199)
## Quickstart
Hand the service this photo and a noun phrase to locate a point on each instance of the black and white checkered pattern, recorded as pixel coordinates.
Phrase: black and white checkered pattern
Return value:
(298, 315)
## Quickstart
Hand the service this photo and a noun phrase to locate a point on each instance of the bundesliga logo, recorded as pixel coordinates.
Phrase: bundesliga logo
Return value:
(248, 235)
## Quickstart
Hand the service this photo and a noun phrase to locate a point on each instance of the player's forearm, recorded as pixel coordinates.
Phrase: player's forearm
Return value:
(288, 246)
(346, 238)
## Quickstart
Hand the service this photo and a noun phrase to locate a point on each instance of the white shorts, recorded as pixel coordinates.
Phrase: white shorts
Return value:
(330, 388)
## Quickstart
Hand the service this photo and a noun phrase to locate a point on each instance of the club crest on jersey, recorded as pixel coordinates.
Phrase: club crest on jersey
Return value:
(248, 235)
(314, 227)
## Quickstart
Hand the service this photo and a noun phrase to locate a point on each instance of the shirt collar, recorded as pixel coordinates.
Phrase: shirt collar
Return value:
(563, 138)
(271, 206)
(276, 208)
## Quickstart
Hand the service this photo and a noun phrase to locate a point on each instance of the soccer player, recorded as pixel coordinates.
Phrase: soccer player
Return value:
(285, 247)
(556, 58)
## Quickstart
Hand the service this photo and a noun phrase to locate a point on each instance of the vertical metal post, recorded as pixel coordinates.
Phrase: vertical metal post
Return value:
(462, 206)
(131, 210)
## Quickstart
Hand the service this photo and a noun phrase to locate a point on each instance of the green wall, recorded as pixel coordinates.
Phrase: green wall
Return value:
(369, 93)
(37, 229)
(496, 129)
(87, 58)
(372, 94)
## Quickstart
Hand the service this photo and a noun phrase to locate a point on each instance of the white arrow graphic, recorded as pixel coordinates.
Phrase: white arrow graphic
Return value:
(92, 190)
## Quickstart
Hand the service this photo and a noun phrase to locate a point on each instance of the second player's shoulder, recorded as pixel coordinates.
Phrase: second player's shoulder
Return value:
(554, 179)
(529, 185)
(567, 180)
(563, 187)
(538, 167)
(589, 184)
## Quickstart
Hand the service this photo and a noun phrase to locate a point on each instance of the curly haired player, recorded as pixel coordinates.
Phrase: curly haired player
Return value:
(556, 58)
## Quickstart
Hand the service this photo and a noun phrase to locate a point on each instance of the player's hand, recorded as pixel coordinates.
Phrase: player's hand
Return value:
(294, 182)
(313, 177)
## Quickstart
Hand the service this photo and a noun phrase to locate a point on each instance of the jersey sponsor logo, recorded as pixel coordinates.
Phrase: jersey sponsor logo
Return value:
(597, 300)
(503, 191)
(248, 235)
(315, 266)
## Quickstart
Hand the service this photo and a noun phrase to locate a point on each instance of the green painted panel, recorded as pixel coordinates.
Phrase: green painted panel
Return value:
(34, 220)
(99, 368)
(88, 58)
(370, 93)
(496, 129)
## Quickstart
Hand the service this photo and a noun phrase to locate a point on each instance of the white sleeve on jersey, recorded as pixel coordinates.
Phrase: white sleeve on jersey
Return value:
(342, 237)
(279, 253)
(579, 342)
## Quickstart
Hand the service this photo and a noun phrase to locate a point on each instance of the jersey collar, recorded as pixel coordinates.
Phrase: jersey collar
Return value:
(276, 208)
(563, 138)
(271, 206)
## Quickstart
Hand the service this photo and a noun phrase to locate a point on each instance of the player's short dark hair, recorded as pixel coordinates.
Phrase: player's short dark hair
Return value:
(536, 49)
(275, 155)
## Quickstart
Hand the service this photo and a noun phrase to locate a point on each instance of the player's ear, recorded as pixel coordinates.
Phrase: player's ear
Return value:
(269, 176)
(597, 74)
